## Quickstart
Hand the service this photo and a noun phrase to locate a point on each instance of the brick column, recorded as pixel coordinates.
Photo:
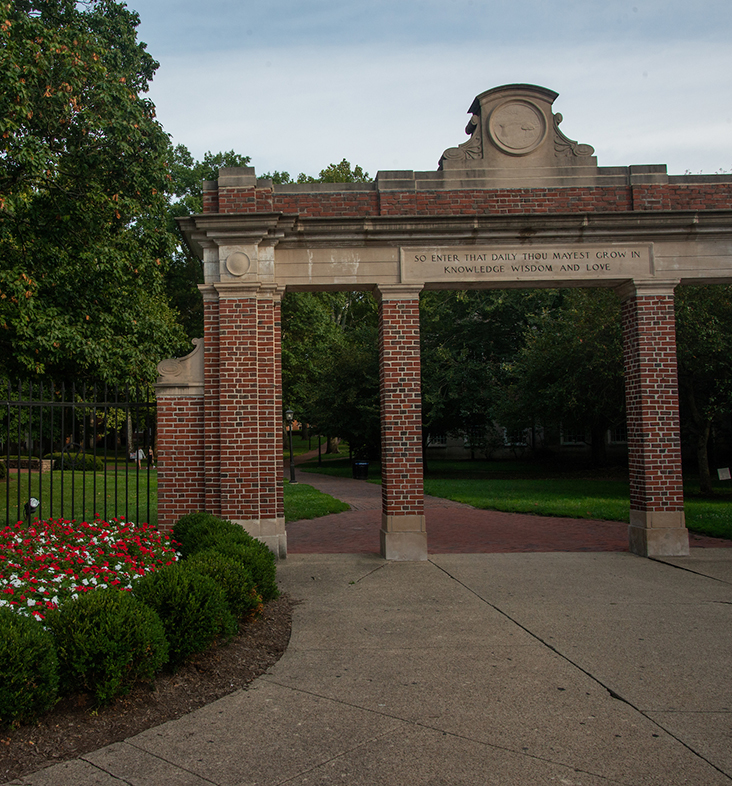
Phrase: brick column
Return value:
(269, 390)
(657, 526)
(403, 531)
(238, 403)
(180, 436)
(212, 433)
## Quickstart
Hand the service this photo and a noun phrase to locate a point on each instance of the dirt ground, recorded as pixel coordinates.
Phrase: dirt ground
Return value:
(74, 728)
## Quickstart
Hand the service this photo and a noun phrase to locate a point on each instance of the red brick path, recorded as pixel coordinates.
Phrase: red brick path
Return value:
(452, 527)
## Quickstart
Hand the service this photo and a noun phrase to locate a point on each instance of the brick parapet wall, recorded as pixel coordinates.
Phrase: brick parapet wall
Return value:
(372, 202)
(401, 408)
(651, 389)
(181, 486)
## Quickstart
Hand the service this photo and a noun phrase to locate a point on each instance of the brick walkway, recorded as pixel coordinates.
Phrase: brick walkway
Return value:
(452, 528)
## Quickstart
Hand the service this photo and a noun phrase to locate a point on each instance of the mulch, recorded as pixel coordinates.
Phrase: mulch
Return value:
(74, 727)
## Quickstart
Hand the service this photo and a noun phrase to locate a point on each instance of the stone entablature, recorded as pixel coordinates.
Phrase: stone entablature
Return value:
(353, 253)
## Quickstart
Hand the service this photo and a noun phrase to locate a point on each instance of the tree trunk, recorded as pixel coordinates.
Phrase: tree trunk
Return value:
(332, 445)
(598, 446)
(703, 427)
(702, 459)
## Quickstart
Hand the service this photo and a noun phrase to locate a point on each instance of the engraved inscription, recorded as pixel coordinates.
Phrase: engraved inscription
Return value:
(520, 263)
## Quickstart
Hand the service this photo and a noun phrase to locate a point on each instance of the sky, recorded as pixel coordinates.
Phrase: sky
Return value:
(386, 84)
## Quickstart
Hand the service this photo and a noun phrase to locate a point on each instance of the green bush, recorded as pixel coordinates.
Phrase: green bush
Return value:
(260, 562)
(201, 531)
(197, 532)
(191, 606)
(232, 577)
(28, 669)
(107, 640)
(83, 461)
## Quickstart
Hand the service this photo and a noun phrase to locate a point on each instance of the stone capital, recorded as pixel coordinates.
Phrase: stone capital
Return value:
(386, 292)
(630, 289)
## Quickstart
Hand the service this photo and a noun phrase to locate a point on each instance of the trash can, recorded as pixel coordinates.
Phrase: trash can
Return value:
(360, 470)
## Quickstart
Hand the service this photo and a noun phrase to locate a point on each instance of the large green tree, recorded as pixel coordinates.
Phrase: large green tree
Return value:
(330, 365)
(704, 347)
(83, 195)
(570, 368)
(468, 338)
(185, 271)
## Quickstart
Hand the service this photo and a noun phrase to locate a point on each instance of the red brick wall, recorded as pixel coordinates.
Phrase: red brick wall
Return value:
(683, 197)
(212, 434)
(581, 199)
(238, 406)
(651, 390)
(270, 407)
(180, 458)
(401, 408)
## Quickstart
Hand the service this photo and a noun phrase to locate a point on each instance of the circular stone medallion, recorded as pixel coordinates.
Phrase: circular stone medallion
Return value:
(238, 263)
(517, 127)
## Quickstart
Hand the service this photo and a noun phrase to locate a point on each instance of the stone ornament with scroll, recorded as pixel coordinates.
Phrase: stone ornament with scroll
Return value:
(515, 137)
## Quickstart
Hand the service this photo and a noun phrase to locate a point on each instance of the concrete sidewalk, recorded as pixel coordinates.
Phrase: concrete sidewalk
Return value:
(471, 669)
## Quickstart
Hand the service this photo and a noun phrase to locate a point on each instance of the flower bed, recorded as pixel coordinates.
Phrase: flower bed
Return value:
(51, 561)
(68, 626)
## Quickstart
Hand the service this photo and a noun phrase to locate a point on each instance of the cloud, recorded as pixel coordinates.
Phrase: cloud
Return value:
(299, 108)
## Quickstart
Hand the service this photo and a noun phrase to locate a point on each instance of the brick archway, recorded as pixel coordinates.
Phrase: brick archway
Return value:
(508, 208)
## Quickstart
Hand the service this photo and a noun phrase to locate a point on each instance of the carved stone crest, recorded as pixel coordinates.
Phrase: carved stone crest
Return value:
(513, 130)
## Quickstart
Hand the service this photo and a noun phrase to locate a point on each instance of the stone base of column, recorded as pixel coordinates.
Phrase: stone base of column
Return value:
(403, 538)
(654, 533)
(270, 531)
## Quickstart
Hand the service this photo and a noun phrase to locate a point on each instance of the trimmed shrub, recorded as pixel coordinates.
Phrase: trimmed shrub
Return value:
(191, 606)
(201, 531)
(106, 641)
(28, 669)
(196, 532)
(232, 577)
(260, 562)
(82, 461)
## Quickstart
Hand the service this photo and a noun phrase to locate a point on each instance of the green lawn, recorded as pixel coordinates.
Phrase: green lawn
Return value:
(531, 487)
(300, 446)
(85, 492)
(89, 495)
(304, 502)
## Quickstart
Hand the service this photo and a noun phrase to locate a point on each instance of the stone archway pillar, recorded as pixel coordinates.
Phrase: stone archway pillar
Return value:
(403, 531)
(240, 403)
(657, 526)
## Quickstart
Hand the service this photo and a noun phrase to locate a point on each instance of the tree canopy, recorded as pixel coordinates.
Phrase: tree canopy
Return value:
(185, 271)
(333, 173)
(83, 195)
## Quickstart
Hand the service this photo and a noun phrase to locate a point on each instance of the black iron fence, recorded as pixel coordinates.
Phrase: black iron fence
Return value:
(75, 451)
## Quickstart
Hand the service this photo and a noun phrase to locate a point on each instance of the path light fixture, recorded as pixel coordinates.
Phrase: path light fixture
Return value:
(288, 416)
(31, 507)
